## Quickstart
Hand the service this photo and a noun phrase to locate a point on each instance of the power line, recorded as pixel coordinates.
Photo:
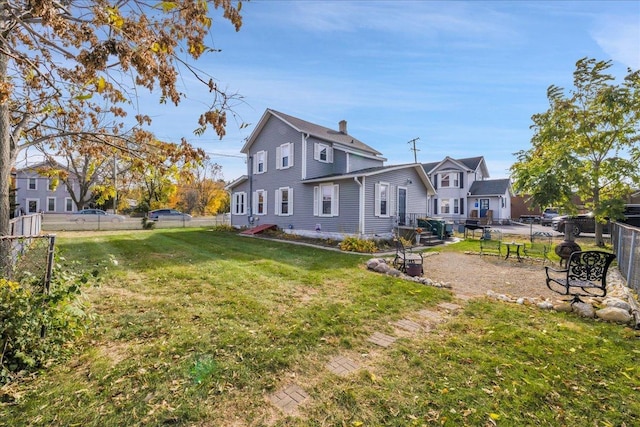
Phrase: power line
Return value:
(225, 155)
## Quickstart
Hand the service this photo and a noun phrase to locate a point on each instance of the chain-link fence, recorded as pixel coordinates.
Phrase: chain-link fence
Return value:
(27, 257)
(626, 244)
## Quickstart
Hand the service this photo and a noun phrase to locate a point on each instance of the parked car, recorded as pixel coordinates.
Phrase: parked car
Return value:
(167, 215)
(95, 215)
(631, 215)
(583, 223)
(548, 215)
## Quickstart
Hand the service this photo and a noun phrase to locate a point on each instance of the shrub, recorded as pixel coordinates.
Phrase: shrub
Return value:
(354, 244)
(34, 325)
(146, 224)
(224, 228)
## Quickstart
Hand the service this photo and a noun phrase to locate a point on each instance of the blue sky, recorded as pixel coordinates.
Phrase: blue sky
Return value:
(464, 77)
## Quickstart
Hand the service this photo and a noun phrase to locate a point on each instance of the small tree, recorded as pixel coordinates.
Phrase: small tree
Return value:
(586, 144)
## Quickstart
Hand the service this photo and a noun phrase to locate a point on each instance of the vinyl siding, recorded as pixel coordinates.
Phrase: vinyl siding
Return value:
(41, 193)
(357, 162)
(416, 199)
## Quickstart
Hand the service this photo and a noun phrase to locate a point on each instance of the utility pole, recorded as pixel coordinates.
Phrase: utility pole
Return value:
(414, 149)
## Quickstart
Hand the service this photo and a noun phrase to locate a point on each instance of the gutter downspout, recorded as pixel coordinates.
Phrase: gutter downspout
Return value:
(305, 136)
(250, 195)
(361, 222)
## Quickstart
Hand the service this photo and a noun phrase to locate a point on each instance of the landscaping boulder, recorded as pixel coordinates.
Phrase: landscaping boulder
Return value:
(584, 309)
(617, 303)
(614, 314)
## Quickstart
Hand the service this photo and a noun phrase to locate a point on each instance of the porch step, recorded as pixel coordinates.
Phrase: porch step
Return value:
(430, 239)
(258, 229)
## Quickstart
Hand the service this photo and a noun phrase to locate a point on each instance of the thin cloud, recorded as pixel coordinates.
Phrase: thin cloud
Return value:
(619, 37)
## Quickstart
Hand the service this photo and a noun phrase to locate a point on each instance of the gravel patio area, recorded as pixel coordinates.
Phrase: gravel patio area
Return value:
(471, 275)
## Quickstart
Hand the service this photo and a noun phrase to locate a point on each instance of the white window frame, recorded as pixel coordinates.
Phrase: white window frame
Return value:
(380, 189)
(456, 206)
(317, 152)
(260, 159)
(37, 202)
(68, 204)
(445, 206)
(256, 202)
(239, 203)
(453, 179)
(35, 183)
(318, 199)
(279, 203)
(49, 200)
(281, 157)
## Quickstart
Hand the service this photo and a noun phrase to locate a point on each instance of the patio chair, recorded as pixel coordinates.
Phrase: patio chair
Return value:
(540, 245)
(491, 240)
(405, 257)
(585, 275)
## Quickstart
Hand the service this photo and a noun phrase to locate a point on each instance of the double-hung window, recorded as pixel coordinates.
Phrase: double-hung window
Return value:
(326, 200)
(382, 199)
(450, 180)
(260, 162)
(445, 206)
(260, 202)
(51, 204)
(32, 184)
(284, 153)
(239, 203)
(284, 201)
(323, 152)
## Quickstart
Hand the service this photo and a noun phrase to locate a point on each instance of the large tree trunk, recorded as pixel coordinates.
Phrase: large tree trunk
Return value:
(5, 171)
(5, 154)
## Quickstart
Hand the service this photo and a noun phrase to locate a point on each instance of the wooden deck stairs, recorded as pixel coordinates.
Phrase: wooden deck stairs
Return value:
(259, 229)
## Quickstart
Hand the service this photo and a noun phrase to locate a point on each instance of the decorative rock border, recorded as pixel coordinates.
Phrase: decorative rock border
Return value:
(620, 305)
(380, 265)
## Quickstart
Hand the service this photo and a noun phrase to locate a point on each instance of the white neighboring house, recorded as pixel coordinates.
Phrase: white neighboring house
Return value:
(36, 193)
(465, 191)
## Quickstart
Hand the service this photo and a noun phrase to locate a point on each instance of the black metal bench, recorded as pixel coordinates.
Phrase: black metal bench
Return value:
(406, 260)
(585, 275)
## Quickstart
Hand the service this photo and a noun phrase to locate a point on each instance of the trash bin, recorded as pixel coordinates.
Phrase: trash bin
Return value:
(414, 269)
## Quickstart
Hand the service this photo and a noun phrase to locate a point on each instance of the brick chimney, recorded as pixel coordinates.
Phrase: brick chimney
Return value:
(342, 126)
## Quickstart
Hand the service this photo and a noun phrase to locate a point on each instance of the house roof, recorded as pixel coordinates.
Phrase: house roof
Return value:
(469, 163)
(490, 187)
(44, 164)
(303, 126)
(378, 170)
(236, 182)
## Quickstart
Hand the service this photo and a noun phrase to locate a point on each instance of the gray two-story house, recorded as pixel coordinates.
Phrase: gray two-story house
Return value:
(465, 191)
(313, 180)
(36, 192)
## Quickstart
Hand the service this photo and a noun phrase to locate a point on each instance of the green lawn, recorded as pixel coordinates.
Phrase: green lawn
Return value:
(198, 328)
